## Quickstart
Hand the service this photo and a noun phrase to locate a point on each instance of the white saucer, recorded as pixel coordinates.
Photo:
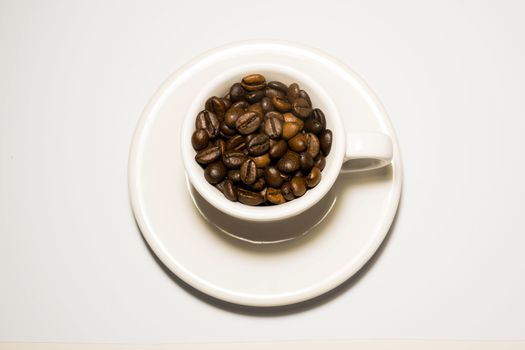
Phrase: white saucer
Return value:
(359, 211)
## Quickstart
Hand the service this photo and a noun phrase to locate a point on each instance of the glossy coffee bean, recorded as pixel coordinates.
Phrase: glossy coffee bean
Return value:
(254, 96)
(258, 144)
(318, 115)
(301, 108)
(312, 145)
(234, 175)
(299, 186)
(226, 131)
(233, 159)
(248, 122)
(232, 114)
(289, 163)
(248, 172)
(313, 177)
(258, 185)
(320, 161)
(297, 143)
(237, 92)
(271, 93)
(273, 127)
(286, 190)
(290, 130)
(221, 144)
(274, 114)
(236, 142)
(241, 104)
(215, 105)
(313, 126)
(278, 149)
(326, 141)
(273, 178)
(293, 92)
(200, 139)
(249, 197)
(266, 104)
(277, 85)
(208, 121)
(253, 82)
(256, 107)
(290, 118)
(262, 161)
(215, 172)
(304, 95)
(228, 189)
(281, 104)
(274, 195)
(208, 155)
(307, 162)
(227, 101)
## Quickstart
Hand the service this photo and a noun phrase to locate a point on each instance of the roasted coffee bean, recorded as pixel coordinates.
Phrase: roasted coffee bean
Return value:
(254, 96)
(253, 82)
(200, 139)
(241, 104)
(320, 161)
(307, 162)
(273, 178)
(313, 177)
(281, 104)
(289, 163)
(274, 114)
(318, 115)
(232, 114)
(234, 175)
(216, 105)
(256, 107)
(278, 86)
(326, 141)
(208, 121)
(290, 130)
(258, 185)
(226, 131)
(215, 172)
(278, 149)
(273, 127)
(304, 95)
(266, 104)
(228, 189)
(297, 143)
(290, 118)
(262, 161)
(249, 197)
(208, 155)
(301, 108)
(274, 195)
(312, 145)
(258, 144)
(271, 93)
(227, 101)
(248, 122)
(313, 126)
(293, 92)
(233, 159)
(237, 92)
(286, 190)
(299, 186)
(248, 172)
(236, 142)
(221, 144)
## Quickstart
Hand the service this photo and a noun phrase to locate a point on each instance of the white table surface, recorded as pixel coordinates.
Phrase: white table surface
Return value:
(74, 77)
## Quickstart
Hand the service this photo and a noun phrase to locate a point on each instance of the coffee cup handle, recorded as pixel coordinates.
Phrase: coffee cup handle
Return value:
(366, 151)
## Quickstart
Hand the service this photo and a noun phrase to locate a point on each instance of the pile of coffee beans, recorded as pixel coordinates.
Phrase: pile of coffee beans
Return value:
(262, 143)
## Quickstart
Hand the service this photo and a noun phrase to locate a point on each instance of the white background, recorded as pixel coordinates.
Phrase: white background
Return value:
(74, 77)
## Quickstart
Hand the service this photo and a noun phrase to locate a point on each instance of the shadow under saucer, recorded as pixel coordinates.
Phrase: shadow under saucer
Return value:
(264, 232)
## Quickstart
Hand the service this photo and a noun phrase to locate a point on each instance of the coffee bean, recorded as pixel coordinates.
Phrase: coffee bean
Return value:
(274, 195)
(299, 186)
(290, 130)
(258, 185)
(304, 95)
(237, 92)
(262, 161)
(215, 172)
(254, 96)
(249, 197)
(313, 177)
(266, 104)
(248, 122)
(278, 86)
(289, 163)
(233, 159)
(271, 93)
(301, 108)
(281, 104)
(320, 161)
(274, 114)
(208, 121)
(307, 162)
(232, 114)
(215, 105)
(290, 118)
(312, 145)
(278, 149)
(226, 131)
(208, 155)
(248, 172)
(234, 175)
(221, 144)
(293, 92)
(258, 144)
(313, 126)
(241, 104)
(273, 127)
(199, 139)
(254, 79)
(297, 143)
(256, 107)
(227, 101)
(228, 189)
(236, 142)
(326, 141)
(286, 190)
(272, 175)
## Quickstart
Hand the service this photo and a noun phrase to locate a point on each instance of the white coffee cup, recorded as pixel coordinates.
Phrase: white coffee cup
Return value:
(364, 150)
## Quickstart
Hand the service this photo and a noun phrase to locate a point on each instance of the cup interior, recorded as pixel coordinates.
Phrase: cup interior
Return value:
(219, 86)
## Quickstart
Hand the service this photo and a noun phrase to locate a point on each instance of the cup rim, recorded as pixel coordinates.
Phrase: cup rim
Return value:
(195, 174)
